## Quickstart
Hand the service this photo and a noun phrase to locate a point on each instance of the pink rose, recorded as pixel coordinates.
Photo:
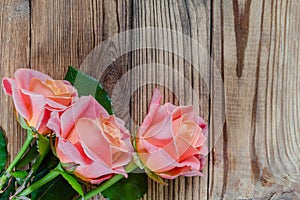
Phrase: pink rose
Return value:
(171, 141)
(96, 141)
(36, 95)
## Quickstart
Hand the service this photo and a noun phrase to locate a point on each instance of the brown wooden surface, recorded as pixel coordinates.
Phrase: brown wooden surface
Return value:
(255, 44)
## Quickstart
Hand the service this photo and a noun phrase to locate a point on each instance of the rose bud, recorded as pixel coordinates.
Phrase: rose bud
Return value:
(171, 141)
(36, 95)
(97, 143)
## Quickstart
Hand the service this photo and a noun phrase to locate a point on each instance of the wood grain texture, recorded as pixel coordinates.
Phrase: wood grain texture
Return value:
(14, 54)
(191, 18)
(65, 32)
(254, 44)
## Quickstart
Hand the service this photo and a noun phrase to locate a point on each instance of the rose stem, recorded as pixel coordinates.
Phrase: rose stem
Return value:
(25, 146)
(49, 177)
(108, 183)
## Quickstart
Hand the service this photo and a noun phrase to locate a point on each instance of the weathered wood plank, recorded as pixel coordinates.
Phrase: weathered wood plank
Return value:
(193, 19)
(14, 54)
(255, 47)
(255, 44)
(65, 32)
(62, 35)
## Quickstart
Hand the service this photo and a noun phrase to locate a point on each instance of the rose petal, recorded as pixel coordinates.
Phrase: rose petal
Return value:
(158, 160)
(86, 107)
(71, 88)
(181, 111)
(92, 140)
(59, 102)
(97, 136)
(68, 153)
(54, 123)
(19, 99)
(94, 169)
(100, 179)
(39, 87)
(36, 106)
(24, 76)
(161, 133)
(122, 155)
(181, 171)
(121, 125)
(43, 129)
(172, 140)
(170, 107)
(202, 124)
(7, 85)
(98, 167)
(156, 97)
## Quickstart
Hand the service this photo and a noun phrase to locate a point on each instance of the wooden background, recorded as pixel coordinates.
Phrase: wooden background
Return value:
(255, 44)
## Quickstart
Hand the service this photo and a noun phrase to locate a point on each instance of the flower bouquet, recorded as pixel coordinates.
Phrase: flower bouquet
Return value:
(74, 140)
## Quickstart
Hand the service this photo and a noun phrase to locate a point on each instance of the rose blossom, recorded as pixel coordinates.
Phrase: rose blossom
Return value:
(92, 139)
(36, 95)
(171, 141)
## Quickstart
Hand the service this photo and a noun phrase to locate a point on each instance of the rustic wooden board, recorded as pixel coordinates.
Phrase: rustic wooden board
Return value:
(192, 19)
(14, 53)
(64, 33)
(255, 45)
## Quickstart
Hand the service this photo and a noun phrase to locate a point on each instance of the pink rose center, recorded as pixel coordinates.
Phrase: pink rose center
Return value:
(58, 88)
(55, 90)
(49, 88)
(111, 131)
(104, 126)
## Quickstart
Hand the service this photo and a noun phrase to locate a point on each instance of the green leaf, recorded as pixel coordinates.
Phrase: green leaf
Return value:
(3, 151)
(50, 162)
(73, 182)
(30, 155)
(87, 85)
(10, 190)
(36, 153)
(132, 188)
(20, 176)
(43, 147)
(57, 189)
